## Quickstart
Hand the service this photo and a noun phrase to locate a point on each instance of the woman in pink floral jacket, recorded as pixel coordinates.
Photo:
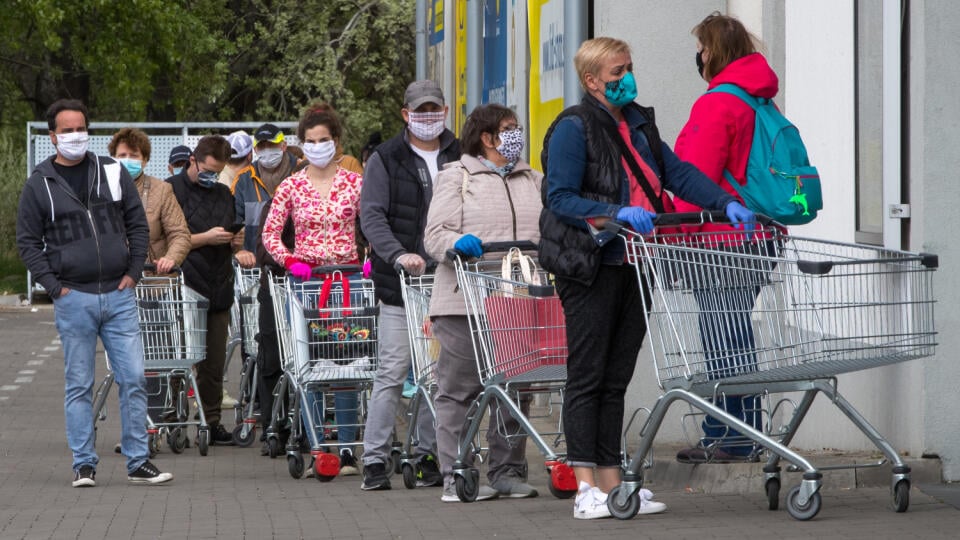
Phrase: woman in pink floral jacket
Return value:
(323, 201)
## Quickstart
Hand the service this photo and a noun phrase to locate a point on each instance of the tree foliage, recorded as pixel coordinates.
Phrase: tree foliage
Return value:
(209, 60)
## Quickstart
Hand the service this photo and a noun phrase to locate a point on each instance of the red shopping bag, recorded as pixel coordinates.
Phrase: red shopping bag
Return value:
(527, 332)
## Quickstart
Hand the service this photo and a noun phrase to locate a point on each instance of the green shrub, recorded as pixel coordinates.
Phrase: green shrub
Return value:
(13, 159)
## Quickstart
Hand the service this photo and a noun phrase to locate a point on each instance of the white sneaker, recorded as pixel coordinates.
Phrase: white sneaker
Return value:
(228, 402)
(590, 503)
(450, 493)
(648, 505)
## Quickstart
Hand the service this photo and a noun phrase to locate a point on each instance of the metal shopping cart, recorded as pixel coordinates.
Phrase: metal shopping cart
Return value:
(173, 330)
(328, 345)
(519, 339)
(246, 284)
(821, 309)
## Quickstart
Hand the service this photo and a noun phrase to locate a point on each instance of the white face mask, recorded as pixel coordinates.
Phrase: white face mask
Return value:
(73, 146)
(426, 126)
(319, 154)
(270, 157)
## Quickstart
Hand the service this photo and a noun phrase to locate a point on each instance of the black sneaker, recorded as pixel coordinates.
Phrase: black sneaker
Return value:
(428, 472)
(83, 477)
(348, 463)
(375, 477)
(148, 474)
(220, 436)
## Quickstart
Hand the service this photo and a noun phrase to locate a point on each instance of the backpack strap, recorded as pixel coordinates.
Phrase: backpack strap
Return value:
(728, 88)
(611, 129)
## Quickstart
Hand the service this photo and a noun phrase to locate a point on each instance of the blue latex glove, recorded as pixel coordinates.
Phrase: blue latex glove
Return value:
(639, 219)
(740, 216)
(469, 245)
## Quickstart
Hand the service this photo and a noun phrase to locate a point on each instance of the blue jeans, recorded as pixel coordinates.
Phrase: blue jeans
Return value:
(344, 403)
(82, 317)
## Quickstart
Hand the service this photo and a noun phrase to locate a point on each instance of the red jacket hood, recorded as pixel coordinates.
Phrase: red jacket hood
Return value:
(752, 73)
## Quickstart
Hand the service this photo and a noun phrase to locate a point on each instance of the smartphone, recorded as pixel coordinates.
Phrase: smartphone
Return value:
(235, 228)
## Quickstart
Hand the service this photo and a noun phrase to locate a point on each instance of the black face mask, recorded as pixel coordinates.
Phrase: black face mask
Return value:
(700, 63)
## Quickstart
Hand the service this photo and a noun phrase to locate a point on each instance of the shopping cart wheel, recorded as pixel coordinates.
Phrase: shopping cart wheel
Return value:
(273, 447)
(395, 461)
(901, 496)
(203, 441)
(295, 466)
(805, 512)
(468, 489)
(243, 435)
(177, 440)
(623, 509)
(409, 476)
(563, 483)
(773, 493)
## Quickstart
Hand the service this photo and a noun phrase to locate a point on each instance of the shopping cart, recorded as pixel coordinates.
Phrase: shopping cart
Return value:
(246, 284)
(173, 330)
(822, 309)
(424, 349)
(519, 340)
(328, 344)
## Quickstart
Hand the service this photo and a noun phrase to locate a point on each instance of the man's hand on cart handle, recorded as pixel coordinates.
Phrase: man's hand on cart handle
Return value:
(245, 258)
(412, 263)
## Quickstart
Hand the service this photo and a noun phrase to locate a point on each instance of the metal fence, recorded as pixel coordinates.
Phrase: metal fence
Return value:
(163, 137)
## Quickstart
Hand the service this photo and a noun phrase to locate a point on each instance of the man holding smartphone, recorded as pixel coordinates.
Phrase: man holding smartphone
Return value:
(208, 207)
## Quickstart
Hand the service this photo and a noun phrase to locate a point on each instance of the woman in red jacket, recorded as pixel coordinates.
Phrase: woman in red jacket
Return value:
(717, 138)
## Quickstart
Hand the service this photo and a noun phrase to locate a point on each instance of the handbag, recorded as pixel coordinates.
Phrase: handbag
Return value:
(525, 318)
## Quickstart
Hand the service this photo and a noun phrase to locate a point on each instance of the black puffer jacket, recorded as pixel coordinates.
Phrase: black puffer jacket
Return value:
(394, 201)
(207, 269)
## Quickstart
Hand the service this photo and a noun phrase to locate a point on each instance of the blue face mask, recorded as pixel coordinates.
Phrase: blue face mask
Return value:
(621, 91)
(207, 179)
(178, 170)
(133, 166)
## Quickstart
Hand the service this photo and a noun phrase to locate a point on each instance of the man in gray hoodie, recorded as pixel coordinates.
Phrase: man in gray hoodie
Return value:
(82, 232)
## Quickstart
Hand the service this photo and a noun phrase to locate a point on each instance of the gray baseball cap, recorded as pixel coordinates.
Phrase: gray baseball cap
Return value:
(420, 92)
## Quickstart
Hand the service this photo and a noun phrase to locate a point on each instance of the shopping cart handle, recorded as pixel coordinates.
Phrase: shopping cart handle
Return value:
(342, 268)
(496, 247)
(676, 219)
(151, 267)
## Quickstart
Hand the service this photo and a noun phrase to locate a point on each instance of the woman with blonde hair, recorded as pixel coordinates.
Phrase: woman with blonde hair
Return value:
(604, 160)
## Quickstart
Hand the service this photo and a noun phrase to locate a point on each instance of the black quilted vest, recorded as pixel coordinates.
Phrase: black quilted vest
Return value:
(410, 193)
(567, 250)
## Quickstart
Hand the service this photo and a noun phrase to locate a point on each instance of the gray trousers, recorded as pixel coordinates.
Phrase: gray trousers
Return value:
(395, 360)
(459, 385)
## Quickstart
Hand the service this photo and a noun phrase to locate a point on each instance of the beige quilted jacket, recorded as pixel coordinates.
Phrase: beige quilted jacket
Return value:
(492, 208)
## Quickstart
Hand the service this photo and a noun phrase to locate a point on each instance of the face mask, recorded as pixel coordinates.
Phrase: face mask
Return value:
(319, 154)
(178, 170)
(270, 157)
(621, 91)
(133, 166)
(511, 144)
(73, 146)
(207, 179)
(426, 126)
(700, 63)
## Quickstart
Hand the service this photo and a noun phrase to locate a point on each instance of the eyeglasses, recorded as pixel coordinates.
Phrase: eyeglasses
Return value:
(512, 128)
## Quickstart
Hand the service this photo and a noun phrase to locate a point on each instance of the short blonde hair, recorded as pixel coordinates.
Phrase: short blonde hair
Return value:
(593, 52)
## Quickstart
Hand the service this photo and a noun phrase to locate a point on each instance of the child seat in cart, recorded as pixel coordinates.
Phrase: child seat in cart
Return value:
(756, 312)
(520, 345)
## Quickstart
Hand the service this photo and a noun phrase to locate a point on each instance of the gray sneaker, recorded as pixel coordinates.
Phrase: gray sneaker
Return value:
(485, 493)
(513, 486)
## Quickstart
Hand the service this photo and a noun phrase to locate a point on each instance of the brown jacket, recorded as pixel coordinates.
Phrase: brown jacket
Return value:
(493, 208)
(169, 235)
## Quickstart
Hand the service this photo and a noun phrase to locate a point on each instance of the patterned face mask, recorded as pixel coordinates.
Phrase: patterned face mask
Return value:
(511, 144)
(426, 126)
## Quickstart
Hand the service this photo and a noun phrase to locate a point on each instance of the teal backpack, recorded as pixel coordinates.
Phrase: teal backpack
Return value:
(781, 183)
